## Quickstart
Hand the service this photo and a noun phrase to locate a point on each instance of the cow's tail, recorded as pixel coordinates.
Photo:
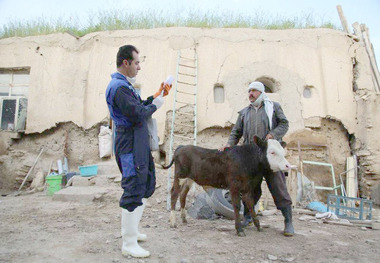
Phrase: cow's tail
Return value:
(168, 166)
(171, 163)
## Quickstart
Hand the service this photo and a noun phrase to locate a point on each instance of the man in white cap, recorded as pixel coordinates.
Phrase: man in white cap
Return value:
(265, 119)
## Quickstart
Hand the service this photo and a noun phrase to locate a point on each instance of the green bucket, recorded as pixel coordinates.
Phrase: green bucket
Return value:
(53, 183)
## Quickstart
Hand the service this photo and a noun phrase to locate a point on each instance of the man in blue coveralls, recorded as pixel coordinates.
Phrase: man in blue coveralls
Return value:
(133, 155)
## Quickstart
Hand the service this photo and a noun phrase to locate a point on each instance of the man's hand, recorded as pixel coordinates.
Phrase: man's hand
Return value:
(166, 88)
(269, 136)
(163, 88)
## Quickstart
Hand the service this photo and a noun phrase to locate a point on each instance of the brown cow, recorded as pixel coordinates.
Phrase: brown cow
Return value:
(239, 169)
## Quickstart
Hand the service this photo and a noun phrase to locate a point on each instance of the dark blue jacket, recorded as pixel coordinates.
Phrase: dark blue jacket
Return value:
(133, 156)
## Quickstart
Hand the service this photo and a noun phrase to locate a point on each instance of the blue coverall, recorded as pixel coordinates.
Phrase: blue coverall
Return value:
(133, 156)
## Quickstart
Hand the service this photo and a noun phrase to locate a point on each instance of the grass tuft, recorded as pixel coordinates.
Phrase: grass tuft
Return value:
(122, 20)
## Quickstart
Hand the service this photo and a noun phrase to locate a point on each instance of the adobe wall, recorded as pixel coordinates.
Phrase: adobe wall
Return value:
(68, 78)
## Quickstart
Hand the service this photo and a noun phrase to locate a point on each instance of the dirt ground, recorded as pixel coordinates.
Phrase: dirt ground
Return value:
(34, 228)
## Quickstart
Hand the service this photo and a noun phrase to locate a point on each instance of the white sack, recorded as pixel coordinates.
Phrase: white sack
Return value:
(105, 141)
(153, 137)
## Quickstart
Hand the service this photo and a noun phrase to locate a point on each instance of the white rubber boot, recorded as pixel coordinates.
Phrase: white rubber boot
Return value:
(129, 231)
(140, 236)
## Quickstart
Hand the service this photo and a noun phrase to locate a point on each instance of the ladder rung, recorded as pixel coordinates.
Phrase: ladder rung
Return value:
(185, 125)
(184, 113)
(184, 137)
(190, 84)
(185, 102)
(183, 65)
(191, 75)
(184, 92)
(192, 59)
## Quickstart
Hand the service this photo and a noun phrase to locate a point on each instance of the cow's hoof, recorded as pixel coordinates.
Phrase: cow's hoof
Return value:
(241, 234)
(257, 224)
(173, 225)
(172, 220)
(184, 221)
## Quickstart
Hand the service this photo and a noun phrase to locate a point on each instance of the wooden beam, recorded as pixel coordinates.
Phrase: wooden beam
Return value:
(304, 211)
(350, 177)
(342, 18)
(45, 184)
(30, 170)
(371, 56)
(326, 221)
(301, 169)
(357, 30)
(292, 185)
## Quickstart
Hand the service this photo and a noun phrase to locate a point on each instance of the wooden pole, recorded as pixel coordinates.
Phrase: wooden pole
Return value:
(301, 168)
(291, 185)
(51, 164)
(362, 32)
(31, 169)
(342, 18)
(371, 56)
(357, 30)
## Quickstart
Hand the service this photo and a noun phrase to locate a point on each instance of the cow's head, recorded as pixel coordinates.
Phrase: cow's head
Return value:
(275, 154)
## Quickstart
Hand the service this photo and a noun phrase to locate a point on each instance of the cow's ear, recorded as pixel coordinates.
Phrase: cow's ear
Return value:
(283, 144)
(261, 143)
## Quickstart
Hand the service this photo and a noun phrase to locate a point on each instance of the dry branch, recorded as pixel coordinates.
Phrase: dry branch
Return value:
(31, 169)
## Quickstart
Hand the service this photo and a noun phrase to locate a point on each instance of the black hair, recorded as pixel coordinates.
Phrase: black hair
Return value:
(125, 52)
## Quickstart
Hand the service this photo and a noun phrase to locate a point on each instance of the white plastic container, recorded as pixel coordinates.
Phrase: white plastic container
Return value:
(60, 166)
(169, 80)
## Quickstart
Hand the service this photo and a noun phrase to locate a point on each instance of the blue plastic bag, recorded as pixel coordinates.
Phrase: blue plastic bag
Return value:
(317, 206)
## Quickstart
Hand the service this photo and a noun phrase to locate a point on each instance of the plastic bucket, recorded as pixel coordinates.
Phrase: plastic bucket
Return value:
(53, 183)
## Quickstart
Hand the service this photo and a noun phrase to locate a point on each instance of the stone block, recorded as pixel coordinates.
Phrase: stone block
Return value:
(79, 194)
(82, 181)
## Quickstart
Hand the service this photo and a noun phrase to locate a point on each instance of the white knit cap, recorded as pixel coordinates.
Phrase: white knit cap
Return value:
(256, 86)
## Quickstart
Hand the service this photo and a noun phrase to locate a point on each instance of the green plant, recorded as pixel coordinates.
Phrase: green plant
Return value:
(121, 20)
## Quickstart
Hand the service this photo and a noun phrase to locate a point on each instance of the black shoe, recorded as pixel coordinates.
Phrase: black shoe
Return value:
(247, 220)
(287, 213)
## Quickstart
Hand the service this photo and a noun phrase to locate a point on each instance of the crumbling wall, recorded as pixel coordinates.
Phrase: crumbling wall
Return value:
(366, 143)
(325, 140)
(80, 146)
(74, 91)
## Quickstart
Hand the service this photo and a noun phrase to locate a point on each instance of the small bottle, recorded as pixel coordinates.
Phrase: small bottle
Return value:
(169, 80)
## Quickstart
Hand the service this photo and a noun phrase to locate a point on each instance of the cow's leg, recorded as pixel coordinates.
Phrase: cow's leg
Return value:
(174, 196)
(250, 204)
(182, 198)
(235, 199)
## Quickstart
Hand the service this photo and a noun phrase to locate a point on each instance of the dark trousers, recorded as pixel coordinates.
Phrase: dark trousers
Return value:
(277, 186)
